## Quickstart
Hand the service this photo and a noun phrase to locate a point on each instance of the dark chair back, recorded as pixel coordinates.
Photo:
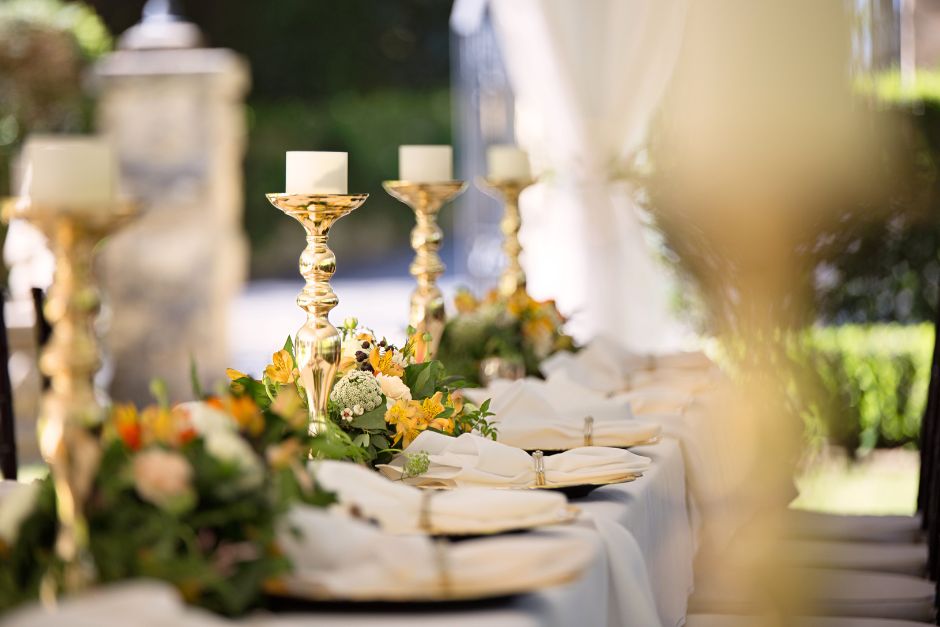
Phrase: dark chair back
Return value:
(928, 502)
(8, 463)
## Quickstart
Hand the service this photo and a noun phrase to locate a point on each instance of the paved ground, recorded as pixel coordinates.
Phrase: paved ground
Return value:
(266, 313)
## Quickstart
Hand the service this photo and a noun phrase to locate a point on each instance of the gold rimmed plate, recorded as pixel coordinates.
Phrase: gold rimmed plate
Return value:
(626, 447)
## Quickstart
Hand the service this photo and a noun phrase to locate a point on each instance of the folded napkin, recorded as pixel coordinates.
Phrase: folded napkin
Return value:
(682, 381)
(400, 508)
(605, 366)
(472, 460)
(334, 557)
(534, 414)
(657, 400)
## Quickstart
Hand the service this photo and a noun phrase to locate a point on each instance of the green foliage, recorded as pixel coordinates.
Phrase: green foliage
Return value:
(863, 386)
(370, 126)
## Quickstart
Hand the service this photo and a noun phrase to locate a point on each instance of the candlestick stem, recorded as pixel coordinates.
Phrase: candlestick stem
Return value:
(317, 345)
(427, 303)
(69, 410)
(513, 277)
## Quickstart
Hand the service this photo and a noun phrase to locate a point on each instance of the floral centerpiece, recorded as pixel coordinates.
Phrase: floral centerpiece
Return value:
(189, 495)
(515, 328)
(383, 396)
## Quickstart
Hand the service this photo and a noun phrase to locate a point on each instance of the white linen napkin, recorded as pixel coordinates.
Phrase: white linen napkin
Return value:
(657, 400)
(472, 460)
(336, 557)
(685, 381)
(397, 507)
(532, 414)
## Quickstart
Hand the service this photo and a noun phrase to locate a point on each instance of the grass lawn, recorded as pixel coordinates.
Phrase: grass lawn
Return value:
(884, 482)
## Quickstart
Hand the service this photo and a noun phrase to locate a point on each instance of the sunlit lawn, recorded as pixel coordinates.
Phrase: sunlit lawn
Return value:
(885, 482)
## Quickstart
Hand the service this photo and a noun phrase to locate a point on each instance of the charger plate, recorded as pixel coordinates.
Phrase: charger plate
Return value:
(626, 447)
(455, 590)
(572, 489)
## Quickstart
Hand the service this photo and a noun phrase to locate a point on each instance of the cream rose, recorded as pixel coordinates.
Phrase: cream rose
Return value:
(204, 418)
(163, 478)
(228, 446)
(393, 388)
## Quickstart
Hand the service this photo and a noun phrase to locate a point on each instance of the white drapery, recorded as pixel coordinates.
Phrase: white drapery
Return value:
(587, 76)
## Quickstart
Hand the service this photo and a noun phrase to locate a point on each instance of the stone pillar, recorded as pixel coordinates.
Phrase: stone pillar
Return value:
(176, 115)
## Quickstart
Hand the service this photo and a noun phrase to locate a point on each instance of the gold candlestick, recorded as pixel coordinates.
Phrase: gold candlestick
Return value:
(317, 346)
(508, 190)
(69, 410)
(426, 200)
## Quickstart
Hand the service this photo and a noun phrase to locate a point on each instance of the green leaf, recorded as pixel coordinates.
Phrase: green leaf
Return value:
(361, 440)
(289, 347)
(194, 377)
(374, 419)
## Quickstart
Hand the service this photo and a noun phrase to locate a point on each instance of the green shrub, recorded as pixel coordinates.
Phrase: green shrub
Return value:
(863, 386)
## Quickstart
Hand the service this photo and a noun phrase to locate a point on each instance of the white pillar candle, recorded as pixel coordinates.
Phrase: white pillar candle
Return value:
(316, 172)
(425, 164)
(69, 172)
(507, 162)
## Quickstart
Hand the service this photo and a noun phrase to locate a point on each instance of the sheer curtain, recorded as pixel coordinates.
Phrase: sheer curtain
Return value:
(587, 77)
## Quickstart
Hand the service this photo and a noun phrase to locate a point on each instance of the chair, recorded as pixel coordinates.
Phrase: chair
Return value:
(8, 463)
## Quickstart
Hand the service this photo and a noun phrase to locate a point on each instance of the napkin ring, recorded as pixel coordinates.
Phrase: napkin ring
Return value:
(539, 459)
(424, 514)
(443, 567)
(589, 431)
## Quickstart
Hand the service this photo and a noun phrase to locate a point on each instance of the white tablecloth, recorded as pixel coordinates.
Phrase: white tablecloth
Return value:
(653, 509)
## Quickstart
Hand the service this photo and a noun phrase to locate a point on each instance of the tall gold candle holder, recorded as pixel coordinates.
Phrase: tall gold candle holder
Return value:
(426, 200)
(317, 346)
(508, 190)
(69, 411)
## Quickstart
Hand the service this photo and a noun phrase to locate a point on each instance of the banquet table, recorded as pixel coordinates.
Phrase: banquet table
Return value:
(656, 561)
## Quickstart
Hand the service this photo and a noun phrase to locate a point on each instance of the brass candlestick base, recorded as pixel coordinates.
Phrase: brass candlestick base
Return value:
(508, 190)
(426, 200)
(69, 410)
(317, 346)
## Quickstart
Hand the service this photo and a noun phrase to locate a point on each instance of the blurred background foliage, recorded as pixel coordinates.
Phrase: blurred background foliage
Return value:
(359, 76)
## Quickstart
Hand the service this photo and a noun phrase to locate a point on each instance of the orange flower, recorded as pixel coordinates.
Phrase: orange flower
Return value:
(383, 363)
(247, 414)
(127, 425)
(455, 400)
(283, 455)
(444, 425)
(419, 346)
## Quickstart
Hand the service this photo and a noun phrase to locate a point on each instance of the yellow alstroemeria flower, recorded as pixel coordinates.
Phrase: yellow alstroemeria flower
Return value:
(281, 369)
(519, 303)
(235, 375)
(444, 425)
(403, 415)
(429, 408)
(158, 425)
(465, 302)
(455, 400)
(383, 363)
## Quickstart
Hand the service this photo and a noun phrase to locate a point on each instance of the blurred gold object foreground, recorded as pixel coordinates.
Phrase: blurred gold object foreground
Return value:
(317, 346)
(426, 200)
(508, 190)
(69, 410)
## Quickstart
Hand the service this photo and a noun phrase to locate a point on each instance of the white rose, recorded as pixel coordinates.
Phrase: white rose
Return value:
(228, 446)
(206, 419)
(393, 388)
(162, 478)
(15, 508)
